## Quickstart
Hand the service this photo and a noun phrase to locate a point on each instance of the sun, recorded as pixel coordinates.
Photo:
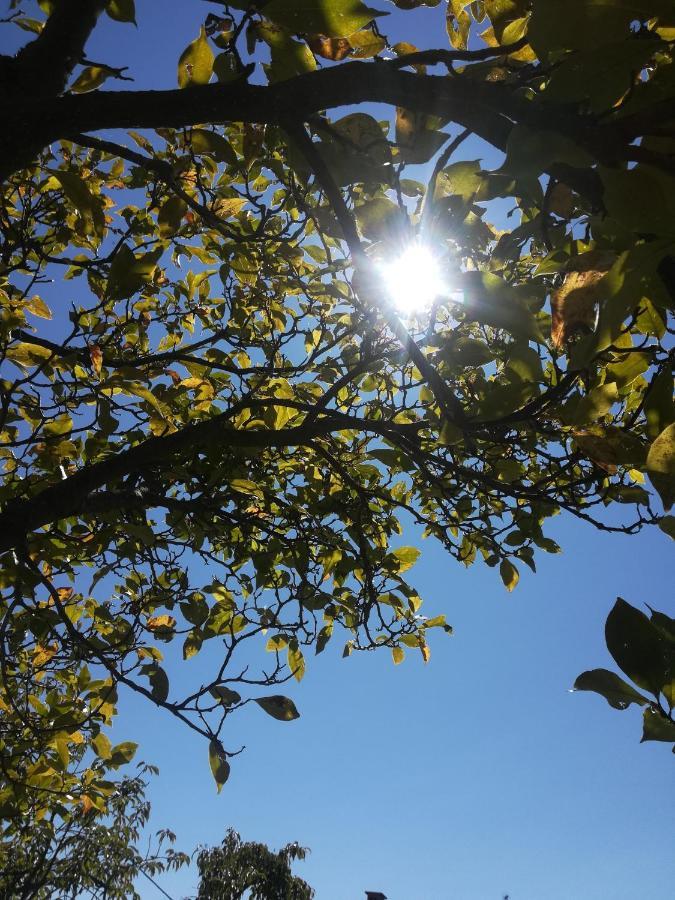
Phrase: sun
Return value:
(414, 280)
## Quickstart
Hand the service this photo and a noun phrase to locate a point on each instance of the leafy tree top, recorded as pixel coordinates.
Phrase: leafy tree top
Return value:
(217, 441)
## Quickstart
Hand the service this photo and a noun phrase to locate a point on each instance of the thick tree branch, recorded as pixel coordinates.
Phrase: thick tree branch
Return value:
(69, 497)
(484, 108)
(45, 64)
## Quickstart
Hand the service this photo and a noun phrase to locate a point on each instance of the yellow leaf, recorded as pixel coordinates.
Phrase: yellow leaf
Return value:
(156, 623)
(195, 65)
(38, 307)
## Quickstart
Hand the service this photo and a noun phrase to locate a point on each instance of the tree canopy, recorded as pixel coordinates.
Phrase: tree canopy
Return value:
(217, 442)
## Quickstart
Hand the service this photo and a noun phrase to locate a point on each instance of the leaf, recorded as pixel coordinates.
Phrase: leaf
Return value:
(532, 151)
(617, 692)
(88, 206)
(296, 661)
(593, 406)
(220, 767)
(281, 708)
(289, 58)
(509, 574)
(96, 357)
(225, 695)
(574, 303)
(636, 646)
(123, 753)
(398, 654)
(659, 405)
(406, 557)
(37, 306)
(609, 446)
(642, 199)
(335, 49)
(192, 645)
(333, 18)
(380, 220)
(667, 526)
(587, 24)
(656, 727)
(129, 273)
(366, 44)
(159, 682)
(90, 78)
(195, 65)
(122, 10)
(462, 179)
(161, 623)
(661, 465)
(203, 140)
(102, 746)
(170, 215)
(490, 300)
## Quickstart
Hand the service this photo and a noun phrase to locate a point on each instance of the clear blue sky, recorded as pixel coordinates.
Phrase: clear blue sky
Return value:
(466, 779)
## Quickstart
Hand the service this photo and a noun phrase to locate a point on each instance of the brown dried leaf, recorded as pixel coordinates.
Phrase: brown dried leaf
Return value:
(573, 305)
(96, 356)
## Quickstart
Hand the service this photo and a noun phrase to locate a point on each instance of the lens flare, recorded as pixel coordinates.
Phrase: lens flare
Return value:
(414, 280)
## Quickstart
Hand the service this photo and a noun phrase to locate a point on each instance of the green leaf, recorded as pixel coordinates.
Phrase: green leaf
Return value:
(170, 216)
(123, 753)
(122, 10)
(220, 767)
(587, 24)
(661, 465)
(667, 526)
(102, 746)
(195, 65)
(636, 646)
(159, 682)
(659, 405)
(88, 206)
(531, 152)
(192, 645)
(90, 78)
(656, 727)
(617, 692)
(205, 141)
(333, 18)
(593, 406)
(129, 273)
(488, 299)
(642, 199)
(225, 695)
(509, 574)
(281, 708)
(380, 220)
(462, 179)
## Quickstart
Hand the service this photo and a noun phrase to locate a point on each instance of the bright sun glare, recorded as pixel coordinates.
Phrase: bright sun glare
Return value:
(414, 280)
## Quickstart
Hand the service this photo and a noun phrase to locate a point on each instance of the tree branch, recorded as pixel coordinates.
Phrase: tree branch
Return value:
(45, 64)
(69, 497)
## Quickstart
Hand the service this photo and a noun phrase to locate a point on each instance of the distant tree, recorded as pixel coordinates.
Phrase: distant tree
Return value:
(644, 649)
(238, 869)
(219, 438)
(66, 855)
